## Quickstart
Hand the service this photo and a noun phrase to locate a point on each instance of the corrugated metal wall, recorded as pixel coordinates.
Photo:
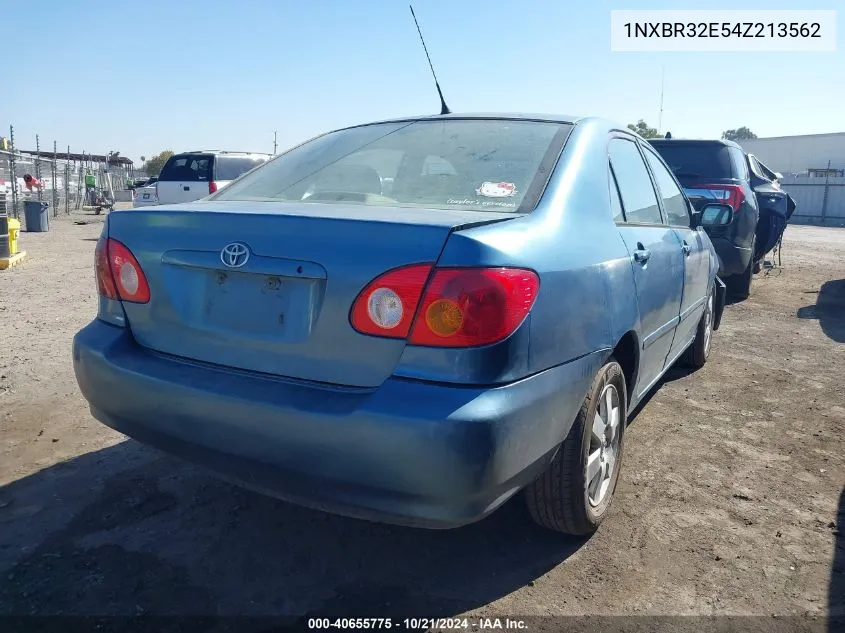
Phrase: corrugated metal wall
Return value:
(818, 200)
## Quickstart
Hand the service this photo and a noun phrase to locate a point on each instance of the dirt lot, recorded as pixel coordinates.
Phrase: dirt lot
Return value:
(728, 499)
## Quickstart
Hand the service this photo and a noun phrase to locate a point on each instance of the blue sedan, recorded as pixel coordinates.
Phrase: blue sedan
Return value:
(410, 321)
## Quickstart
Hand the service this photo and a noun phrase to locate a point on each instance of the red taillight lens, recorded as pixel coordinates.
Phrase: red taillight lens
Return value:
(119, 276)
(726, 194)
(105, 281)
(387, 305)
(468, 307)
(212, 187)
(460, 307)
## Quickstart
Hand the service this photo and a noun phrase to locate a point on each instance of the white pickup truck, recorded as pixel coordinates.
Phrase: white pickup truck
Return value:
(189, 176)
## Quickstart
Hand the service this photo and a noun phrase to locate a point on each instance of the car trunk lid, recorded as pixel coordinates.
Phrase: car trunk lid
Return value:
(284, 309)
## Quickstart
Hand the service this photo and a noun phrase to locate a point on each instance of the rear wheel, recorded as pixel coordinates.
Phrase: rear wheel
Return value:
(697, 353)
(574, 493)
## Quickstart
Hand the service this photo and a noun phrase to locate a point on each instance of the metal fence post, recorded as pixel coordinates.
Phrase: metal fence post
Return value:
(67, 182)
(38, 169)
(54, 168)
(12, 169)
(824, 196)
(79, 178)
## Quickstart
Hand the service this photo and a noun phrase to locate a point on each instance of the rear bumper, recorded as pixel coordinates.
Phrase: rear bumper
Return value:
(408, 452)
(733, 259)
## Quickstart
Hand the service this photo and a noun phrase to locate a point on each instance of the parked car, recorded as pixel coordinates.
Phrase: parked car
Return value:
(418, 355)
(190, 176)
(145, 196)
(719, 170)
(776, 206)
(137, 184)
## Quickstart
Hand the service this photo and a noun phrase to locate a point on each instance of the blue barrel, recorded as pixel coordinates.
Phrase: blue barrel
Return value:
(5, 251)
(37, 219)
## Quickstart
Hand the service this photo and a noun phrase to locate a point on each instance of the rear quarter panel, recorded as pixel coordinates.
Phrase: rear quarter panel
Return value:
(587, 299)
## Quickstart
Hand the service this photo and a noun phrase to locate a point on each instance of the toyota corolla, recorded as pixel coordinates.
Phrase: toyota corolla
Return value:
(410, 321)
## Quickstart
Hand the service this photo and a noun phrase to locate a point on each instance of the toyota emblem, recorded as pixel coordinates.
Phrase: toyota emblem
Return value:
(234, 255)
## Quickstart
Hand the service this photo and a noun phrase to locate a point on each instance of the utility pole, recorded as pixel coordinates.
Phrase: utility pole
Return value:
(275, 145)
(660, 117)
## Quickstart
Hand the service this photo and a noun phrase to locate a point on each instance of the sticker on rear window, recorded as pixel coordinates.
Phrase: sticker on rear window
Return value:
(496, 190)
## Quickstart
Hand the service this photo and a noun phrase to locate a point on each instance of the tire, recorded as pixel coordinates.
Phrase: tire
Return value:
(698, 351)
(564, 498)
(739, 286)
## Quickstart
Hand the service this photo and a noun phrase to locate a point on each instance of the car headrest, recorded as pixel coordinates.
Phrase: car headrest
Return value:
(350, 179)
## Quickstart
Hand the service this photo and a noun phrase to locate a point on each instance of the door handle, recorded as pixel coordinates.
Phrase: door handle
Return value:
(687, 248)
(642, 254)
(186, 188)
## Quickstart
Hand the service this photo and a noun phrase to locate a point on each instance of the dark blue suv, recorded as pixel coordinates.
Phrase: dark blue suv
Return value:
(719, 170)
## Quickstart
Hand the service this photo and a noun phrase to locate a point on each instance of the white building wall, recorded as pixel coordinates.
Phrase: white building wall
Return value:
(797, 154)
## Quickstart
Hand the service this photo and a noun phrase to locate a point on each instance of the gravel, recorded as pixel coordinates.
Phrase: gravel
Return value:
(729, 500)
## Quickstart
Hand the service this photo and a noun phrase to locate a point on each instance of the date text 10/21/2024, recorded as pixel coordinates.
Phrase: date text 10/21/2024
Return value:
(434, 624)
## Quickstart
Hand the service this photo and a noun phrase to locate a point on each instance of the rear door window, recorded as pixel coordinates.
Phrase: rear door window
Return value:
(740, 166)
(638, 197)
(615, 202)
(231, 167)
(187, 168)
(694, 161)
(674, 202)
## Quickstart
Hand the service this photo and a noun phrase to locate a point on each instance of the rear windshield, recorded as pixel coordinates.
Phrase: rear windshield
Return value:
(231, 167)
(187, 168)
(485, 165)
(691, 161)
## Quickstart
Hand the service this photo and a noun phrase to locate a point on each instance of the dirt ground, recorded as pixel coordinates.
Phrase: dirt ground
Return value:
(730, 499)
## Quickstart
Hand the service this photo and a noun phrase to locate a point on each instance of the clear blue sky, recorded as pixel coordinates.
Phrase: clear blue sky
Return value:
(140, 77)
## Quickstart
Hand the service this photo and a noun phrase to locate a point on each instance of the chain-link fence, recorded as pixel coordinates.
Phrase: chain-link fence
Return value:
(64, 180)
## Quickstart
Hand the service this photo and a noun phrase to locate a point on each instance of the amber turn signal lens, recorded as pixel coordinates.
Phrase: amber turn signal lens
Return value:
(444, 318)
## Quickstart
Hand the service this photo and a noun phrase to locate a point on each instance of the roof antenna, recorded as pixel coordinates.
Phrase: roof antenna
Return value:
(444, 109)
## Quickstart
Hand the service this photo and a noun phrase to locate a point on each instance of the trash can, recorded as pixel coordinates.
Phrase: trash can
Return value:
(37, 219)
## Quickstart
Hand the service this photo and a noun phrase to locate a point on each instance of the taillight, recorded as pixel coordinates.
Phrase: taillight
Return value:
(212, 187)
(732, 195)
(105, 281)
(460, 307)
(119, 276)
(467, 307)
(386, 306)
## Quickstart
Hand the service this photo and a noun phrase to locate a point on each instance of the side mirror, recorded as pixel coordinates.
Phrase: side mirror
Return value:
(716, 215)
(778, 175)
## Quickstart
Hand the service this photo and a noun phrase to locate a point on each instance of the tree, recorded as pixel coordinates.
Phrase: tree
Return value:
(155, 163)
(739, 134)
(643, 129)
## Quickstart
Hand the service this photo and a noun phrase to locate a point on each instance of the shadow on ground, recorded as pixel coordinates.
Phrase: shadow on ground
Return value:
(675, 372)
(127, 531)
(829, 309)
(836, 591)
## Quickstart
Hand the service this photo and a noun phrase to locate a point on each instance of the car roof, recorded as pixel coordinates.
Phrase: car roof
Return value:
(503, 116)
(221, 152)
(694, 141)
